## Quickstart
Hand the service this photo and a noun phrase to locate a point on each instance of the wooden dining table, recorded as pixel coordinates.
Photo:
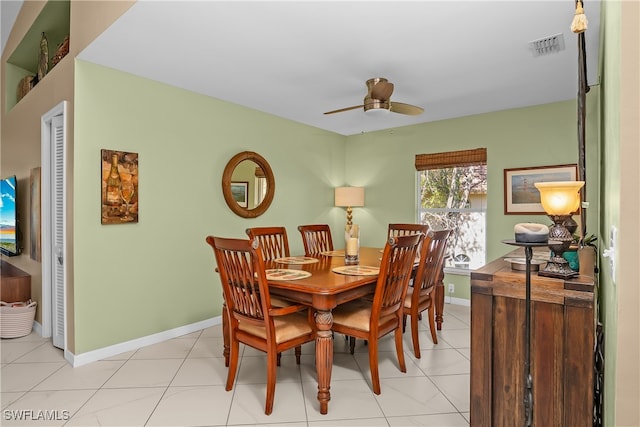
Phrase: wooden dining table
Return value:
(323, 290)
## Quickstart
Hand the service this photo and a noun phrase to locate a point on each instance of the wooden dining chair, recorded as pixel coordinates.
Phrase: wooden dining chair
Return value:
(273, 241)
(421, 295)
(316, 238)
(252, 318)
(373, 320)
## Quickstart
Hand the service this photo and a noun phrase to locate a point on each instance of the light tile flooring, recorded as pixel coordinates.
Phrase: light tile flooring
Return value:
(180, 382)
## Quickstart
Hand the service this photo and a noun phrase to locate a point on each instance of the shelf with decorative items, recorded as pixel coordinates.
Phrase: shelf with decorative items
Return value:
(44, 44)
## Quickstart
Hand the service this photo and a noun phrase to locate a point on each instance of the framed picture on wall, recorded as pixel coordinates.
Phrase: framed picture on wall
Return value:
(240, 191)
(521, 197)
(119, 187)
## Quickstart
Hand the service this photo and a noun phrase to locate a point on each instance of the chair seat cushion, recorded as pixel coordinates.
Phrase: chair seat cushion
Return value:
(424, 296)
(356, 315)
(287, 327)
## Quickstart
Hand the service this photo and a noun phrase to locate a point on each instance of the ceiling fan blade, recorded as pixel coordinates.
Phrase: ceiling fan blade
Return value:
(382, 90)
(345, 109)
(411, 110)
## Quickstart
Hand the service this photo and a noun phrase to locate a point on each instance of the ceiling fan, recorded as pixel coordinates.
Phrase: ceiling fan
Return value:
(379, 92)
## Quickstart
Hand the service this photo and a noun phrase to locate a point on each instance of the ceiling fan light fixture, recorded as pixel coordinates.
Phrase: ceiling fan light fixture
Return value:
(377, 112)
(378, 102)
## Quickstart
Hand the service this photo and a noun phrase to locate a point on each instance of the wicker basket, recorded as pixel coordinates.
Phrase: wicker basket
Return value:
(61, 52)
(24, 86)
(16, 318)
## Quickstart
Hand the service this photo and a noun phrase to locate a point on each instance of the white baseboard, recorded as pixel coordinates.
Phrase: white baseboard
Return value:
(102, 353)
(76, 360)
(457, 301)
(37, 328)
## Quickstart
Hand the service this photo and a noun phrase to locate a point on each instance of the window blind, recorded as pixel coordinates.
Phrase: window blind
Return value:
(449, 159)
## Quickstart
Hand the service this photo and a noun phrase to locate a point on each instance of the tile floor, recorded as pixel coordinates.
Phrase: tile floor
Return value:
(180, 382)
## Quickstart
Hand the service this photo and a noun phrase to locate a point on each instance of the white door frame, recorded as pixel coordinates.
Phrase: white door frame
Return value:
(47, 162)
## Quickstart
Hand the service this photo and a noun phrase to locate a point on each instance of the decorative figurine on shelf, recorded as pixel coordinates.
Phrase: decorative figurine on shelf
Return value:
(60, 52)
(43, 59)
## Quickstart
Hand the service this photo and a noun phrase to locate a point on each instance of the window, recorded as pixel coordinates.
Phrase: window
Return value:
(452, 194)
(260, 185)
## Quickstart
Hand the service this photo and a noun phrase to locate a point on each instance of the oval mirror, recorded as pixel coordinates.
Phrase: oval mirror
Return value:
(248, 184)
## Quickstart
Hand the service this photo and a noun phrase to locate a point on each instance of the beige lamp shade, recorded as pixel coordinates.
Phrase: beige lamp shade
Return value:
(349, 196)
(560, 197)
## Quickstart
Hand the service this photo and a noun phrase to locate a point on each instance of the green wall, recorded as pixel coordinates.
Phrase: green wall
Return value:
(611, 49)
(134, 280)
(383, 162)
(620, 208)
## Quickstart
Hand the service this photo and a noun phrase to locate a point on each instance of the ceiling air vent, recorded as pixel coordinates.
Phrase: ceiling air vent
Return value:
(547, 45)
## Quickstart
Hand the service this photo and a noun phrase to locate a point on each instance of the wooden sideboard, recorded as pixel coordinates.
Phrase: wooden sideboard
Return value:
(15, 283)
(562, 347)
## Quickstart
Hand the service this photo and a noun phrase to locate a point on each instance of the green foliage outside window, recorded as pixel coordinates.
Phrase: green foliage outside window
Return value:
(454, 198)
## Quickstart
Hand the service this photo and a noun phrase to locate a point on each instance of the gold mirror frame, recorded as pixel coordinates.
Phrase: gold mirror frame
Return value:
(226, 184)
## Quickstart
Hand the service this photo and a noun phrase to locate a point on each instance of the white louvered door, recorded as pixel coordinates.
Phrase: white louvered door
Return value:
(58, 307)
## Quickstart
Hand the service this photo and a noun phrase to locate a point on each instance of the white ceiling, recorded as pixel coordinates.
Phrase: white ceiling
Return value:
(298, 59)
(9, 10)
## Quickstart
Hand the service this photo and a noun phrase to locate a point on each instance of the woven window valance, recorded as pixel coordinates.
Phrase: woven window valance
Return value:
(451, 159)
(260, 173)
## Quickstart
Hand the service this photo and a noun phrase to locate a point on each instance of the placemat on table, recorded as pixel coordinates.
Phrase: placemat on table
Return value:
(333, 253)
(357, 270)
(286, 274)
(295, 260)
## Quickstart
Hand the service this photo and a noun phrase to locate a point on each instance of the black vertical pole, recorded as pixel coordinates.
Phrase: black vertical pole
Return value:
(582, 90)
(528, 392)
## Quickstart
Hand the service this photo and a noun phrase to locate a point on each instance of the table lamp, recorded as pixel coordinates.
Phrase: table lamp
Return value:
(349, 197)
(559, 199)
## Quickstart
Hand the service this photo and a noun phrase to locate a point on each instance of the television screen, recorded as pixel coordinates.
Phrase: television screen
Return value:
(9, 233)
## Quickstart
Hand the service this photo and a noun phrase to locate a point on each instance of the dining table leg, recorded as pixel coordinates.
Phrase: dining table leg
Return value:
(324, 357)
(440, 300)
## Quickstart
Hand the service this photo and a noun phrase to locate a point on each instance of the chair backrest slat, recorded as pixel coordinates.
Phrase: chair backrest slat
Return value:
(431, 260)
(273, 241)
(396, 267)
(316, 238)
